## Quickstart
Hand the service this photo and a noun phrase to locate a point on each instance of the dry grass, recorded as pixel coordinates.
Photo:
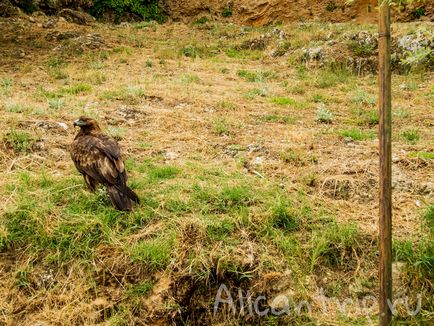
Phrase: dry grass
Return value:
(239, 181)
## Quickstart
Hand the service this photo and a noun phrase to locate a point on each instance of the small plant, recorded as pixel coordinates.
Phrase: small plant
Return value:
(418, 12)
(361, 49)
(362, 97)
(141, 289)
(201, 21)
(149, 63)
(428, 218)
(227, 12)
(20, 141)
(356, 134)
(411, 136)
(324, 115)
(116, 132)
(56, 62)
(255, 76)
(331, 6)
(15, 107)
(190, 79)
(153, 253)
(255, 92)
(284, 217)
(422, 155)
(226, 105)
(278, 118)
(5, 86)
(163, 172)
(77, 89)
(192, 51)
(56, 103)
(417, 59)
(221, 127)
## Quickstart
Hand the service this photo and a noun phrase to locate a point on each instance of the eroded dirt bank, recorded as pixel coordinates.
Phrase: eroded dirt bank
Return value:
(263, 12)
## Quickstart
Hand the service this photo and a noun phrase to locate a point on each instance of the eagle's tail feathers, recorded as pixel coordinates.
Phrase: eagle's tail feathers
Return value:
(120, 200)
(132, 195)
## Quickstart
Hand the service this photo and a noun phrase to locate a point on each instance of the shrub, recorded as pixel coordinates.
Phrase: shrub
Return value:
(147, 9)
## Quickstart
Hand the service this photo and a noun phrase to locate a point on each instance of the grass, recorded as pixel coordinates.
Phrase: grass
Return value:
(286, 119)
(411, 136)
(256, 76)
(357, 134)
(248, 200)
(19, 141)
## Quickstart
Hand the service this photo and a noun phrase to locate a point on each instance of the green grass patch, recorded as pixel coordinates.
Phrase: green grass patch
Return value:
(422, 155)
(154, 253)
(278, 118)
(356, 134)
(411, 136)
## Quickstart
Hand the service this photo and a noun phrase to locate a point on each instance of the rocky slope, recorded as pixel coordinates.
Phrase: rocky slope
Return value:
(254, 12)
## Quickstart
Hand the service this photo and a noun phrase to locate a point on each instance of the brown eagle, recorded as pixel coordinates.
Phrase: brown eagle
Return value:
(98, 158)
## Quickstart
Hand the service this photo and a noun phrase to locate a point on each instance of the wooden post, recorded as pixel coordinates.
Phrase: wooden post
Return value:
(385, 214)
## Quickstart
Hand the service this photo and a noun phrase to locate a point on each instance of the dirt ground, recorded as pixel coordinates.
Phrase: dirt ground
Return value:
(186, 97)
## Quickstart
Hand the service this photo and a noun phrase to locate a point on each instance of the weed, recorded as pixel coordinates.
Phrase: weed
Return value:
(56, 62)
(296, 158)
(411, 136)
(422, 155)
(286, 101)
(116, 132)
(362, 97)
(149, 63)
(141, 289)
(219, 230)
(56, 103)
(201, 21)
(20, 141)
(284, 217)
(227, 12)
(6, 86)
(428, 218)
(356, 134)
(190, 79)
(163, 172)
(155, 253)
(324, 115)
(329, 78)
(361, 49)
(255, 76)
(278, 118)
(226, 105)
(77, 89)
(221, 127)
(15, 107)
(334, 244)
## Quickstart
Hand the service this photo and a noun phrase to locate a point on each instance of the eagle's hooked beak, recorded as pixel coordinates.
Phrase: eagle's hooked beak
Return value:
(79, 123)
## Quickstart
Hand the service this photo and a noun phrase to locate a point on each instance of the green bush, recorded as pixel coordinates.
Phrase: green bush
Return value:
(147, 9)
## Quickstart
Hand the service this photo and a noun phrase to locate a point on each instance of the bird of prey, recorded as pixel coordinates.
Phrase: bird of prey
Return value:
(98, 158)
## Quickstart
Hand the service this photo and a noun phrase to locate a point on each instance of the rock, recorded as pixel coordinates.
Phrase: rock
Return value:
(169, 155)
(416, 41)
(21, 54)
(80, 44)
(313, 54)
(58, 36)
(259, 160)
(77, 17)
(256, 44)
(63, 125)
(50, 23)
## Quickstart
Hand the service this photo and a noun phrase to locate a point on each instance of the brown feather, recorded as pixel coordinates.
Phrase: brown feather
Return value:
(98, 158)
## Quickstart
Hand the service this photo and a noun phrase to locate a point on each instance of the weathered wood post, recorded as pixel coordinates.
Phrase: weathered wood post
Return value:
(385, 143)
